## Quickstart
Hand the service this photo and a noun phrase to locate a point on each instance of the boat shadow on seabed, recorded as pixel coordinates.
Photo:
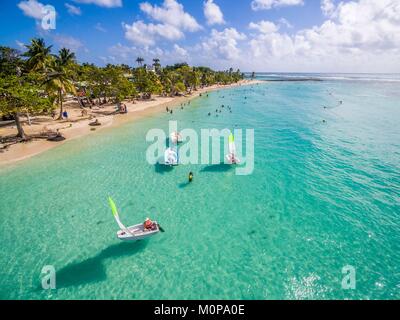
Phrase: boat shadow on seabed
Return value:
(92, 270)
(222, 167)
(162, 168)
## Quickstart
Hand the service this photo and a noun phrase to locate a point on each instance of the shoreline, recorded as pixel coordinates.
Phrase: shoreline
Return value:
(80, 127)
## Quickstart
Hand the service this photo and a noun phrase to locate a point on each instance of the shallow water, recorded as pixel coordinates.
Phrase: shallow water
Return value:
(323, 195)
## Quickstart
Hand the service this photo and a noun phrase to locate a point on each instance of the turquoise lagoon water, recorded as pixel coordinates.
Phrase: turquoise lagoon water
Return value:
(322, 196)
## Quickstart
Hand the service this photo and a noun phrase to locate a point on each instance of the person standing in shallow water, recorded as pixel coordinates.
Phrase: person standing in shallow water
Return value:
(190, 177)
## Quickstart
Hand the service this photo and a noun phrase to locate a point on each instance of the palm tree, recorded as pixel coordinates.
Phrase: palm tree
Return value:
(58, 77)
(38, 54)
(140, 61)
(156, 64)
(65, 57)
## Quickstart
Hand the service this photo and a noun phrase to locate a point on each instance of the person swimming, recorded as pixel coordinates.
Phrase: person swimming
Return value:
(190, 177)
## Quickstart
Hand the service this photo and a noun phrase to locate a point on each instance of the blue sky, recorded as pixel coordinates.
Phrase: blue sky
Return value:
(262, 35)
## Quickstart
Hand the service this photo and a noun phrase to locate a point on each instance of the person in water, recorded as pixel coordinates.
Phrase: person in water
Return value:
(190, 177)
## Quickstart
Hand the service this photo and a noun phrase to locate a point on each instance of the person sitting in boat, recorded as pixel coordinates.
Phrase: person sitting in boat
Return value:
(148, 225)
(232, 158)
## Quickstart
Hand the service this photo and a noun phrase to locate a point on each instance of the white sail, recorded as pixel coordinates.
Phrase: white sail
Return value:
(232, 148)
(231, 157)
(120, 224)
(116, 216)
(171, 157)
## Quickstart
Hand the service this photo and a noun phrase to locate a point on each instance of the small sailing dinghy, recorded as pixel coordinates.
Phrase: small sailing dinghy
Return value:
(171, 157)
(134, 233)
(176, 138)
(231, 157)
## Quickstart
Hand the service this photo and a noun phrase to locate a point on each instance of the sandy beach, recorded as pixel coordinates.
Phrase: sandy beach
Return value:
(77, 125)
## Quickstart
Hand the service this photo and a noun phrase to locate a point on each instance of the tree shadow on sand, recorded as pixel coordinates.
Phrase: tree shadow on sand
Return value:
(217, 168)
(92, 270)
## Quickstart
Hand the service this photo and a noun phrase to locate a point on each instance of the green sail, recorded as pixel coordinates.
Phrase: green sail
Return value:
(113, 207)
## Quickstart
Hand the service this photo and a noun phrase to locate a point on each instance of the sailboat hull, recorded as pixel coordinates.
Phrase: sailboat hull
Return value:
(137, 233)
(231, 159)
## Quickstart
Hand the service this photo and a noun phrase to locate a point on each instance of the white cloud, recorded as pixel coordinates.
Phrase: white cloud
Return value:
(32, 8)
(357, 36)
(73, 10)
(102, 3)
(361, 36)
(264, 26)
(171, 19)
(147, 34)
(223, 45)
(286, 23)
(65, 41)
(171, 13)
(124, 53)
(327, 7)
(20, 44)
(180, 52)
(269, 4)
(213, 13)
(100, 27)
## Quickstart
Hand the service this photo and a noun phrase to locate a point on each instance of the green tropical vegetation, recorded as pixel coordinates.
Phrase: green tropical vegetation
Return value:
(37, 82)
